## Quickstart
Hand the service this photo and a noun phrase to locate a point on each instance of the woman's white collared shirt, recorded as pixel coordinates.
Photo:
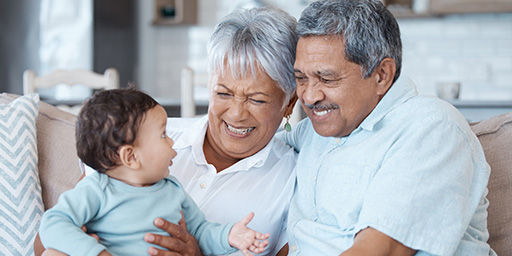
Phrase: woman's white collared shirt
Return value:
(262, 183)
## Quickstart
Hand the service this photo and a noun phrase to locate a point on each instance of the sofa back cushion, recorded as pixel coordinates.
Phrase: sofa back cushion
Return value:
(57, 159)
(495, 135)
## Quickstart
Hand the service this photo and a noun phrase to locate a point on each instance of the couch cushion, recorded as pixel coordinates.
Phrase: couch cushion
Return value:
(21, 206)
(57, 158)
(495, 135)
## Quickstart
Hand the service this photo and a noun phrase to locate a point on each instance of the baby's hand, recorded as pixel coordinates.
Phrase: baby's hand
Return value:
(246, 239)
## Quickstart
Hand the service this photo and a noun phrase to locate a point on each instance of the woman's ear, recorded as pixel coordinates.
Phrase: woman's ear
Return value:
(128, 157)
(289, 108)
(384, 75)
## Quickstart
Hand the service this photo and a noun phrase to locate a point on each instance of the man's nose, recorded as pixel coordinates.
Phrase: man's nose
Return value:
(312, 94)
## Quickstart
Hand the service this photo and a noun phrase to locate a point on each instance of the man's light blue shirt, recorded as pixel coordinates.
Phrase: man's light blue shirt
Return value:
(413, 170)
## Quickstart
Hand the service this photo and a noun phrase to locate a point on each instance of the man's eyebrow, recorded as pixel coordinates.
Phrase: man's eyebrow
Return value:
(296, 70)
(326, 73)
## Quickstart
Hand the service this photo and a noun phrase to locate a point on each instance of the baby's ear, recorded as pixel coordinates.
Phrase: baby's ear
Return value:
(127, 157)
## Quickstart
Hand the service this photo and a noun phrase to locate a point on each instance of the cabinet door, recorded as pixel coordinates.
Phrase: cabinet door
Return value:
(470, 6)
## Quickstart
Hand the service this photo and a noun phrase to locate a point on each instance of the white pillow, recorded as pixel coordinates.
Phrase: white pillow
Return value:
(21, 205)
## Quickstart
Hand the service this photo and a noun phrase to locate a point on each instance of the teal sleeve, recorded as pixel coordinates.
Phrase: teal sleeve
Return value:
(212, 237)
(60, 227)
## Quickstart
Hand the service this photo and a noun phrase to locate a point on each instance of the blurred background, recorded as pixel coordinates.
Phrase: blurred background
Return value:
(460, 46)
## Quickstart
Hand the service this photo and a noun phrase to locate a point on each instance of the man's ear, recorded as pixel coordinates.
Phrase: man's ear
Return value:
(384, 74)
(289, 108)
(127, 157)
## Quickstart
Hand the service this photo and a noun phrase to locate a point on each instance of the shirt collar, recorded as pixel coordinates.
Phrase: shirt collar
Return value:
(256, 160)
(402, 90)
(194, 136)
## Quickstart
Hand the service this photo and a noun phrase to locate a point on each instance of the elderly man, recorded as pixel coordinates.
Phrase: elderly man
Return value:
(381, 170)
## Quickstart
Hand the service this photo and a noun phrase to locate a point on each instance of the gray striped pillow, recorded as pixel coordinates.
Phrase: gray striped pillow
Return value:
(21, 205)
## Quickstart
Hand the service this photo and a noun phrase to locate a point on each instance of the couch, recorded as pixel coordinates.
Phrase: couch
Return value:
(59, 171)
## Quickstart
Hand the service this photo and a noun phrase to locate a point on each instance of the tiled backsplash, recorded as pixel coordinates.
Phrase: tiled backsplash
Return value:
(473, 49)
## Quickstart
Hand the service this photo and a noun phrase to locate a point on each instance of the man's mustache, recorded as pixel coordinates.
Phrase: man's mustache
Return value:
(320, 106)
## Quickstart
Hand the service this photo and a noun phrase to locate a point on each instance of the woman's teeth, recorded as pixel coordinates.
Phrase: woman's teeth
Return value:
(322, 112)
(239, 130)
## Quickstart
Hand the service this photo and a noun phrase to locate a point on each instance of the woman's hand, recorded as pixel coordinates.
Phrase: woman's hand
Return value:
(180, 242)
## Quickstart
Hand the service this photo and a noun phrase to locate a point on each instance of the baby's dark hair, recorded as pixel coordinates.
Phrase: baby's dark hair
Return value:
(108, 120)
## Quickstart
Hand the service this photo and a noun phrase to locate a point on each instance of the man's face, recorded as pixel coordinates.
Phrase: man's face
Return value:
(333, 92)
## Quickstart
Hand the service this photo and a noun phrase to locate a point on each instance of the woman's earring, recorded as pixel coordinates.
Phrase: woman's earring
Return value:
(287, 125)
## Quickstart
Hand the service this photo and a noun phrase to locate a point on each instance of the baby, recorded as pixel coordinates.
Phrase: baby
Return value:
(121, 134)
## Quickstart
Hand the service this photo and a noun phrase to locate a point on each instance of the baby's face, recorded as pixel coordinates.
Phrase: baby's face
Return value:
(152, 146)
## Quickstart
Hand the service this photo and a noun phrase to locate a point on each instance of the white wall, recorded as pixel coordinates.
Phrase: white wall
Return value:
(165, 50)
(474, 49)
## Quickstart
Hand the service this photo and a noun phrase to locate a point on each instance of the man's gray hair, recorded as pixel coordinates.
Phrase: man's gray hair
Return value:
(253, 40)
(369, 30)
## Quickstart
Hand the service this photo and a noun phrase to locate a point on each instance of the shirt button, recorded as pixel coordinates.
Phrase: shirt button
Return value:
(203, 185)
(338, 140)
(294, 248)
(314, 178)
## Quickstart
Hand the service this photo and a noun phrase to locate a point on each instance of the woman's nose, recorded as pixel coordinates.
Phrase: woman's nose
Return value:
(237, 108)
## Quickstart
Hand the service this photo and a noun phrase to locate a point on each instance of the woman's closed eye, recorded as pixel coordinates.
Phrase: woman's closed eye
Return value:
(223, 94)
(257, 101)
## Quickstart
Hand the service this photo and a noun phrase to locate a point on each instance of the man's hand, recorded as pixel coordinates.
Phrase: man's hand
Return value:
(180, 242)
(371, 242)
(246, 239)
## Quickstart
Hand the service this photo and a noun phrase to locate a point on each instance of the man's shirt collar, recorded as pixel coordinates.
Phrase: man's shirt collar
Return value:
(402, 90)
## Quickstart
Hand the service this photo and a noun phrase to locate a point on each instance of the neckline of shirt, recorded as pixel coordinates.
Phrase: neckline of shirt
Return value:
(130, 188)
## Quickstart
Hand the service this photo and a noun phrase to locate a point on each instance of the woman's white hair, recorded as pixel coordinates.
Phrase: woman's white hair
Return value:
(259, 39)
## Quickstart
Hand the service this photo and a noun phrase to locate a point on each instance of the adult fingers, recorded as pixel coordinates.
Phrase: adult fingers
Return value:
(182, 222)
(93, 235)
(172, 229)
(157, 252)
(170, 243)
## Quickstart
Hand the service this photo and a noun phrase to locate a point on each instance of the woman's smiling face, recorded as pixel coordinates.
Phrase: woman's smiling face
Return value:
(243, 113)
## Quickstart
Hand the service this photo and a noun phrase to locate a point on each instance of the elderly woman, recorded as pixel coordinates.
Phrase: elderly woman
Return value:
(228, 161)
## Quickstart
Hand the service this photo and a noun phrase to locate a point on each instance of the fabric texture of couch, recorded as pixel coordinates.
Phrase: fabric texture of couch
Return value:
(57, 159)
(59, 171)
(495, 135)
